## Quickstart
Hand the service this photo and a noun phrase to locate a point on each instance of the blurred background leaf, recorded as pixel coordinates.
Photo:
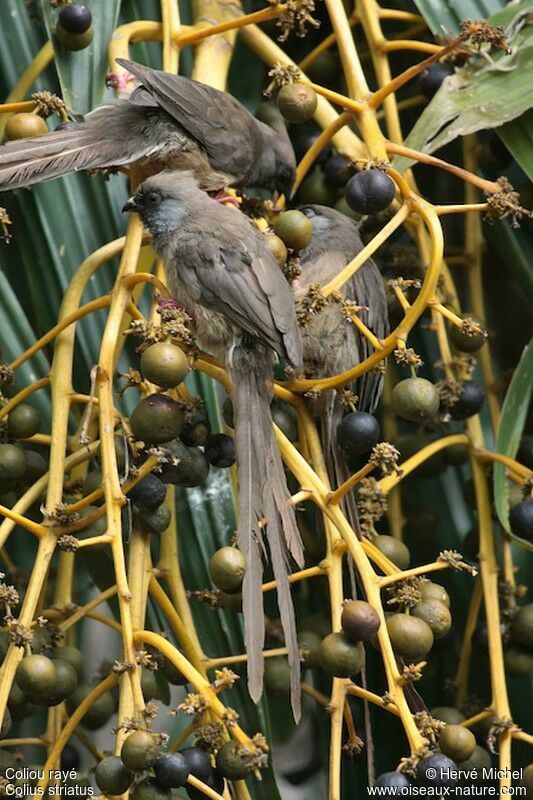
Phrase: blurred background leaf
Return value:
(486, 93)
(514, 414)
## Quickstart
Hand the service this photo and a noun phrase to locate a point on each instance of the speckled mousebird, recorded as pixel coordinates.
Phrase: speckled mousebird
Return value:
(168, 122)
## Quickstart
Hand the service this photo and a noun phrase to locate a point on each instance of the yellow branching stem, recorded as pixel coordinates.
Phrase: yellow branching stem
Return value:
(212, 34)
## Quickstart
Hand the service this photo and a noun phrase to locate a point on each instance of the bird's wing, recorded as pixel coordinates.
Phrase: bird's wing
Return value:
(111, 135)
(244, 284)
(335, 243)
(221, 125)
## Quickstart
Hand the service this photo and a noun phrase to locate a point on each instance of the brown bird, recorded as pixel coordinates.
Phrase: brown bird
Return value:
(168, 122)
(218, 265)
(332, 345)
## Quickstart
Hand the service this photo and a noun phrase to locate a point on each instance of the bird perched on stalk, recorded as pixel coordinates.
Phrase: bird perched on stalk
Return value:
(333, 345)
(218, 266)
(168, 122)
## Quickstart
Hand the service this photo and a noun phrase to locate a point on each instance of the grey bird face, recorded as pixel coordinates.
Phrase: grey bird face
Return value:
(164, 200)
(277, 160)
(284, 181)
(285, 165)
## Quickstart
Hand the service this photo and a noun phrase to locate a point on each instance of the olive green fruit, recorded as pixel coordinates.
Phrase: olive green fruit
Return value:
(6, 724)
(483, 728)
(268, 112)
(326, 69)
(157, 521)
(36, 466)
(12, 463)
(456, 455)
(410, 443)
(95, 528)
(149, 685)
(164, 364)
(172, 673)
(309, 643)
(98, 713)
(436, 614)
(410, 637)
(36, 674)
(464, 342)
(395, 550)
(24, 421)
(73, 656)
(231, 762)
(226, 569)
(196, 428)
(434, 591)
(359, 620)
(277, 678)
(111, 776)
(4, 644)
(522, 626)
(232, 601)
(92, 482)
(140, 750)
(297, 102)
(150, 789)
(527, 780)
(17, 702)
(74, 41)
(227, 412)
(294, 229)
(518, 661)
(286, 418)
(340, 657)
(156, 419)
(24, 126)
(415, 399)
(342, 206)
(42, 641)
(191, 467)
(7, 760)
(478, 761)
(66, 680)
(457, 742)
(315, 189)
(277, 248)
(448, 714)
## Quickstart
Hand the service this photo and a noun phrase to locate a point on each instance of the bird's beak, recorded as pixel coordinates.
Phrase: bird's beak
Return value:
(130, 205)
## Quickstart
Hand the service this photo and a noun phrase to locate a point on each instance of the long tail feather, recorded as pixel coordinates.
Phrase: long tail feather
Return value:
(263, 493)
(108, 137)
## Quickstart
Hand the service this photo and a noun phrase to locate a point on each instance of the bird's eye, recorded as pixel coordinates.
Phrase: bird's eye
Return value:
(152, 198)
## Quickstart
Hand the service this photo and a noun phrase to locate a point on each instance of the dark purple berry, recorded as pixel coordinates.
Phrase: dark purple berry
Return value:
(337, 171)
(197, 762)
(436, 770)
(471, 398)
(171, 770)
(525, 452)
(220, 450)
(521, 520)
(370, 191)
(431, 79)
(303, 142)
(74, 18)
(150, 492)
(394, 781)
(358, 433)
